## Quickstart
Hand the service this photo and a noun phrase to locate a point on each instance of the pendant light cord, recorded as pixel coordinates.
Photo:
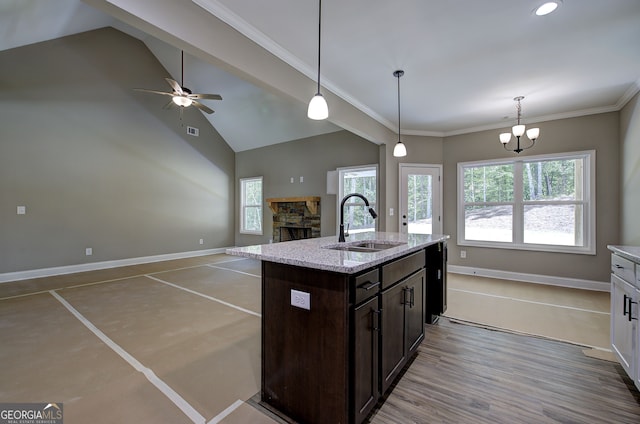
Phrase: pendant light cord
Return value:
(182, 71)
(319, 39)
(398, 107)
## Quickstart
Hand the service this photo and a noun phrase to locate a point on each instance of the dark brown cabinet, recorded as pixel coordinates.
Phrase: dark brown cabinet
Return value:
(333, 362)
(365, 358)
(402, 325)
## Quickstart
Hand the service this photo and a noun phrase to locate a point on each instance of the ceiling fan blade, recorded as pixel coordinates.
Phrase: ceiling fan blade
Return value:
(202, 107)
(205, 96)
(176, 87)
(164, 93)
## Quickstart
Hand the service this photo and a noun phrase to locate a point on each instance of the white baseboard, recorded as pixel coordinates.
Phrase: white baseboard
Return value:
(70, 269)
(532, 278)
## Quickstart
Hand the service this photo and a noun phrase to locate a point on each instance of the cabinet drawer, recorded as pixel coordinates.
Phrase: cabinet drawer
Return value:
(401, 268)
(365, 285)
(623, 268)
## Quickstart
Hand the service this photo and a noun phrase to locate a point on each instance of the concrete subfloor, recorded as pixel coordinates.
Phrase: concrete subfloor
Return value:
(179, 341)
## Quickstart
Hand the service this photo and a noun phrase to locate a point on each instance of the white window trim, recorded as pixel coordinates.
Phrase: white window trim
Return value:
(242, 207)
(589, 200)
(341, 195)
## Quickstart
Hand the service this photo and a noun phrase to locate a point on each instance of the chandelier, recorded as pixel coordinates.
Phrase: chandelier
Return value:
(518, 131)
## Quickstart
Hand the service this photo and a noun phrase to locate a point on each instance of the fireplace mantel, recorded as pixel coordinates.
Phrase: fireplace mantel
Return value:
(312, 202)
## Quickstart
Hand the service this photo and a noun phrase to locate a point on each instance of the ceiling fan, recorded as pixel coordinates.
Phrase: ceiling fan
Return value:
(182, 96)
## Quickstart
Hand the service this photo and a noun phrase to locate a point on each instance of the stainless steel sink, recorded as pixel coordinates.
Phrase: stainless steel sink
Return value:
(365, 246)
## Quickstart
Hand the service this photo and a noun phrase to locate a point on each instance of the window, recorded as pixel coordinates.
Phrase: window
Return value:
(251, 205)
(542, 202)
(363, 180)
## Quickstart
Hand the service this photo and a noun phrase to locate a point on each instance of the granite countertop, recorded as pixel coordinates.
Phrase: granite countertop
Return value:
(630, 252)
(313, 252)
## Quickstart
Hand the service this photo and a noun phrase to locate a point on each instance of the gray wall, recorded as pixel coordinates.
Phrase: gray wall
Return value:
(598, 132)
(310, 158)
(630, 173)
(99, 165)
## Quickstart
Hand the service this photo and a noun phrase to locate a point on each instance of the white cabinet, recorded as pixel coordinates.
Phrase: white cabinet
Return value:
(625, 311)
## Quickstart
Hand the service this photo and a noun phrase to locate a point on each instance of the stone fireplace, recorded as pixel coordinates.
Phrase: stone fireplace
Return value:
(295, 218)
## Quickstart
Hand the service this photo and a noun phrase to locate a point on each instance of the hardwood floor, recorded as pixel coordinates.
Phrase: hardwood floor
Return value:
(467, 374)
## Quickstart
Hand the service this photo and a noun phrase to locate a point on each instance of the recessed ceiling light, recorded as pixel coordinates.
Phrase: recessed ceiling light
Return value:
(547, 7)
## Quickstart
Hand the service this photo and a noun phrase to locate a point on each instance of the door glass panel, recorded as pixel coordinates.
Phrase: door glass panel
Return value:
(420, 204)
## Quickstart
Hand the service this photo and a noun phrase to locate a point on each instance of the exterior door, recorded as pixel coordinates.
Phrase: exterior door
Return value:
(420, 199)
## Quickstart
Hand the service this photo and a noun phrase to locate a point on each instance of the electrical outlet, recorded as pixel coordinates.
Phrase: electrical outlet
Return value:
(301, 299)
(88, 251)
(201, 241)
(463, 254)
(390, 211)
(301, 179)
(22, 210)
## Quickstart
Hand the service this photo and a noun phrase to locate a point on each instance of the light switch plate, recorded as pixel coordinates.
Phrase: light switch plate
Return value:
(301, 299)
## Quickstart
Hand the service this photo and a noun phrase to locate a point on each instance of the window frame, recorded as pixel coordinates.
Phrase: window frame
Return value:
(340, 195)
(244, 206)
(588, 203)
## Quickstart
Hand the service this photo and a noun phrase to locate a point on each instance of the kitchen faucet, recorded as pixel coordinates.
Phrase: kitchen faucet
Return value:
(366, 202)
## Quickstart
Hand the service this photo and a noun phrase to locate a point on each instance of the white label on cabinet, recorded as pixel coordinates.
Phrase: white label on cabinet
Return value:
(301, 299)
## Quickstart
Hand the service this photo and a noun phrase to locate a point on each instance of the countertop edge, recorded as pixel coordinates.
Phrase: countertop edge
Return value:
(629, 252)
(312, 249)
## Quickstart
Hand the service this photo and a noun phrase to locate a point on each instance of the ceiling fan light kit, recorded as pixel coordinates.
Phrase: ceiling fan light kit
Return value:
(518, 131)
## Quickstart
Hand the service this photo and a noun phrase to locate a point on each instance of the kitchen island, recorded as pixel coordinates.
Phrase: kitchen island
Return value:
(340, 320)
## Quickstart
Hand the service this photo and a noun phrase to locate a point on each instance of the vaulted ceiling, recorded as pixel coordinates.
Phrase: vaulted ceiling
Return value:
(464, 60)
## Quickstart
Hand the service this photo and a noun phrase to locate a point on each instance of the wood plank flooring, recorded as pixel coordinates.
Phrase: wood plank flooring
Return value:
(467, 374)
(181, 319)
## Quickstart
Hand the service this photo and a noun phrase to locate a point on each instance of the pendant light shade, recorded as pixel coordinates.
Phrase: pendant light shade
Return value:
(318, 108)
(399, 150)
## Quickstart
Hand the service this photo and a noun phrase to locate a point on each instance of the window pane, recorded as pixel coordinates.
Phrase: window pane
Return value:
(493, 183)
(253, 192)
(358, 217)
(553, 180)
(488, 223)
(253, 219)
(559, 225)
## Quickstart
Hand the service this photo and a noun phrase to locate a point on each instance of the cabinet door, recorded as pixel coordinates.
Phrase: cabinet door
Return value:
(622, 337)
(414, 311)
(393, 337)
(365, 360)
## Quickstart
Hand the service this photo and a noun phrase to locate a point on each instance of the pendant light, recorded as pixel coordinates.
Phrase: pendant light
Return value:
(399, 150)
(318, 108)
